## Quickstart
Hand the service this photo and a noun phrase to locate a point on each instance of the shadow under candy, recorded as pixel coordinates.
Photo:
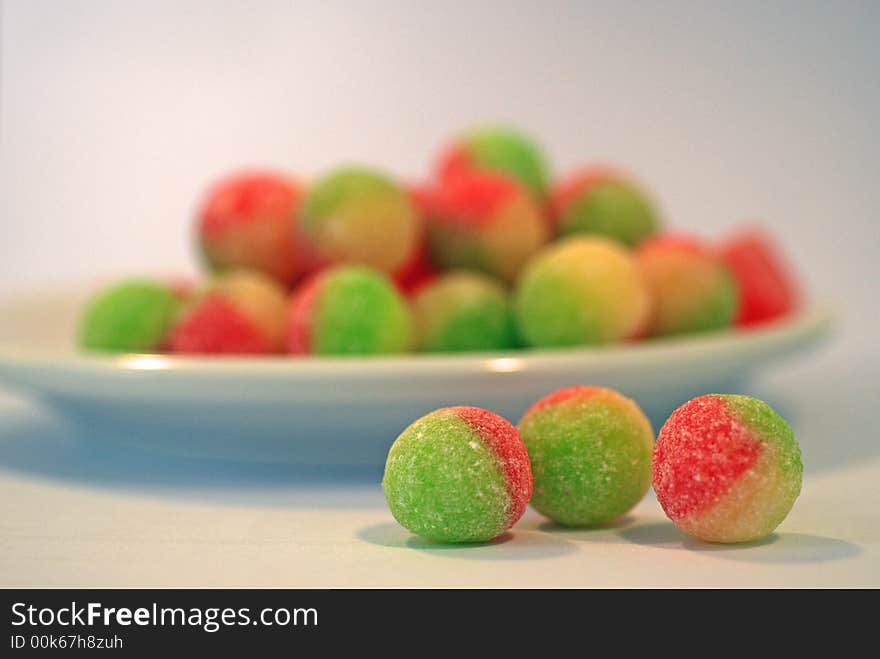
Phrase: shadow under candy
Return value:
(513, 545)
(786, 547)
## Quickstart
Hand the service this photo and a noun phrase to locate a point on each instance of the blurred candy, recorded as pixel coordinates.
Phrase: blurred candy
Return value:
(486, 222)
(249, 221)
(462, 311)
(349, 310)
(583, 290)
(241, 312)
(132, 316)
(693, 291)
(459, 474)
(590, 450)
(601, 200)
(496, 149)
(418, 269)
(356, 215)
(768, 288)
(727, 468)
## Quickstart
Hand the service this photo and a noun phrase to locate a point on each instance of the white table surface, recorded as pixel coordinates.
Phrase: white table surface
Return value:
(75, 512)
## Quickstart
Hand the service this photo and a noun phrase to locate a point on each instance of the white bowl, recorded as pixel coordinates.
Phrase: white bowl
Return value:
(347, 410)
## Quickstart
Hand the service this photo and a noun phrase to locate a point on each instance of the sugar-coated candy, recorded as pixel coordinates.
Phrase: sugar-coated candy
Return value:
(240, 312)
(727, 468)
(601, 200)
(249, 221)
(487, 222)
(496, 149)
(583, 290)
(461, 311)
(131, 316)
(357, 215)
(458, 474)
(767, 286)
(692, 288)
(349, 310)
(590, 449)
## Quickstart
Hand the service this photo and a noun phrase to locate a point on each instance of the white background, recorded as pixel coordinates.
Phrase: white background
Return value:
(115, 115)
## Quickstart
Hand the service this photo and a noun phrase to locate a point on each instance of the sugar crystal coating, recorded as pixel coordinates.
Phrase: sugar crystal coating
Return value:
(458, 474)
(590, 449)
(726, 468)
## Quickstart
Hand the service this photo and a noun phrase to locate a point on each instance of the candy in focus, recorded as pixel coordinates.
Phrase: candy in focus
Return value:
(590, 449)
(726, 468)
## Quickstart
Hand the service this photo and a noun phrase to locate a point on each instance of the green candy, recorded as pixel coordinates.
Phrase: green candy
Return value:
(464, 311)
(614, 209)
(444, 483)
(509, 152)
(360, 312)
(341, 187)
(133, 316)
(590, 450)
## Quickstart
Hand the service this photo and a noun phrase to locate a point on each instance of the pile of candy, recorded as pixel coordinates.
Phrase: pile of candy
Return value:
(725, 468)
(486, 256)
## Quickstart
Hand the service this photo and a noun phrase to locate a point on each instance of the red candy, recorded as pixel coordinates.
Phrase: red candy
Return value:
(507, 446)
(248, 221)
(299, 332)
(689, 444)
(767, 287)
(216, 326)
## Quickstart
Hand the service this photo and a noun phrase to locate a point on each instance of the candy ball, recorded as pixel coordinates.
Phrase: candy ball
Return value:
(462, 311)
(249, 221)
(590, 449)
(727, 468)
(240, 312)
(486, 222)
(418, 269)
(132, 316)
(355, 215)
(458, 474)
(600, 200)
(693, 291)
(496, 149)
(583, 290)
(349, 310)
(768, 288)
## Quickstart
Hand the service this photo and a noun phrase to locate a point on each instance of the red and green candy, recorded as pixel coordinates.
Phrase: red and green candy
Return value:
(497, 149)
(241, 312)
(693, 290)
(485, 221)
(583, 290)
(349, 310)
(462, 311)
(458, 474)
(727, 468)
(250, 221)
(590, 449)
(604, 201)
(358, 215)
